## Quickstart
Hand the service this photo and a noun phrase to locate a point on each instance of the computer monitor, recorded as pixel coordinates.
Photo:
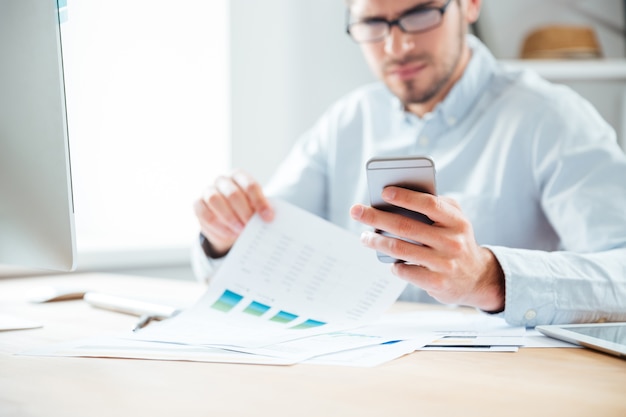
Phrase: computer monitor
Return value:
(36, 205)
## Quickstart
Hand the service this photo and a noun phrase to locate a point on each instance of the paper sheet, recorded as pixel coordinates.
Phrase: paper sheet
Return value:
(297, 276)
(119, 347)
(371, 355)
(456, 331)
(8, 322)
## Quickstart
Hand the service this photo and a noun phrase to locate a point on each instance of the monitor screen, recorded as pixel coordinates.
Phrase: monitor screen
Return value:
(36, 206)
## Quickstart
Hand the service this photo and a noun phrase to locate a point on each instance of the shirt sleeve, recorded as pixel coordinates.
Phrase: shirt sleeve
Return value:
(562, 287)
(580, 175)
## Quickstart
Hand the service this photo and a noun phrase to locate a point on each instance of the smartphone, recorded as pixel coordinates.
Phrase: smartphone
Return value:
(415, 173)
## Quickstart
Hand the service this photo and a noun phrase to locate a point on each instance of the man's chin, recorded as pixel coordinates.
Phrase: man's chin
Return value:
(409, 96)
(401, 89)
(410, 93)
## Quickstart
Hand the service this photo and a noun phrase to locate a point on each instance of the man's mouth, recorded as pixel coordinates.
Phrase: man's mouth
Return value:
(404, 72)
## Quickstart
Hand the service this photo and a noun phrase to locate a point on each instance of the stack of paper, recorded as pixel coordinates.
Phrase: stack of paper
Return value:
(290, 289)
(299, 289)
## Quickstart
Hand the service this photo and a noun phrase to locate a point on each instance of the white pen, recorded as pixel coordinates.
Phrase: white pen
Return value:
(130, 305)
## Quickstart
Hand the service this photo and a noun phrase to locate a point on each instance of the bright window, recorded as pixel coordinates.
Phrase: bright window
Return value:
(148, 114)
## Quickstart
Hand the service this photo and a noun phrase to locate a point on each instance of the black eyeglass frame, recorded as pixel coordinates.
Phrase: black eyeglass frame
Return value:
(397, 22)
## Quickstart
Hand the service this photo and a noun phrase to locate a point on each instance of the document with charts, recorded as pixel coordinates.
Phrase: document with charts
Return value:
(295, 277)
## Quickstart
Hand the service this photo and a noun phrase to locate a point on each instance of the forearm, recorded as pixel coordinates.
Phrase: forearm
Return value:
(562, 287)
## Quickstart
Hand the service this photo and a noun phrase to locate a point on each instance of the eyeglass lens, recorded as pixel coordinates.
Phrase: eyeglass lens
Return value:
(375, 30)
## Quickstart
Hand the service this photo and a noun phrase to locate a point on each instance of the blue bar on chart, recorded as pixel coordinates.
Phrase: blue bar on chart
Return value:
(227, 301)
(256, 309)
(309, 324)
(284, 317)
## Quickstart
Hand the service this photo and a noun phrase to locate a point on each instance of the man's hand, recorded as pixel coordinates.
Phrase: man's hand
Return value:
(226, 206)
(449, 264)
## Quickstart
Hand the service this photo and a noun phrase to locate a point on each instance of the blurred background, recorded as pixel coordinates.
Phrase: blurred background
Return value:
(163, 96)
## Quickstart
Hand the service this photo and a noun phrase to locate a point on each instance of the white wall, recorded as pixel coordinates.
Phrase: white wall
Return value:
(290, 59)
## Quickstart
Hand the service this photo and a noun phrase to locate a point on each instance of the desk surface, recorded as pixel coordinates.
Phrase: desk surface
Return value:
(531, 382)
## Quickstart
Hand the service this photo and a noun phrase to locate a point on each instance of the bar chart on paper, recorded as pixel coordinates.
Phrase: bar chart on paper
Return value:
(307, 267)
(230, 300)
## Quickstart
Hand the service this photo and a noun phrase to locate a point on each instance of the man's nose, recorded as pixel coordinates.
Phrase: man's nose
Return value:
(397, 42)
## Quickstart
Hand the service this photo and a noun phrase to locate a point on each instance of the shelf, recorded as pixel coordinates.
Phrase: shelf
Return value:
(574, 70)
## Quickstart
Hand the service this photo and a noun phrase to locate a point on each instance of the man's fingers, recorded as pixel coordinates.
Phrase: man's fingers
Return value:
(426, 279)
(397, 224)
(226, 207)
(421, 267)
(221, 211)
(210, 225)
(254, 193)
(397, 248)
(438, 209)
(236, 198)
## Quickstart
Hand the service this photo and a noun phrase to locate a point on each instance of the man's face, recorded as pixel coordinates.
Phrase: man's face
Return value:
(418, 68)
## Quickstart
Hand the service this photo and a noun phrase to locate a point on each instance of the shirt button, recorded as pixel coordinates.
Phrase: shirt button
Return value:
(424, 141)
(451, 120)
(530, 314)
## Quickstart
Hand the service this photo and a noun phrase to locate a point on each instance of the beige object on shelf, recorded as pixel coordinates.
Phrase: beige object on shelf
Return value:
(561, 42)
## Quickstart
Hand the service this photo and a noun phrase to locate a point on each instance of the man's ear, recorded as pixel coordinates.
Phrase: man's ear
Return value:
(472, 10)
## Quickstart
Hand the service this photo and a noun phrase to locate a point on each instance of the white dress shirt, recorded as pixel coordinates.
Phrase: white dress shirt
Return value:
(533, 165)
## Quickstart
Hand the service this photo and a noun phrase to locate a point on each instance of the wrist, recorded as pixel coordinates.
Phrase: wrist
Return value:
(211, 251)
(493, 277)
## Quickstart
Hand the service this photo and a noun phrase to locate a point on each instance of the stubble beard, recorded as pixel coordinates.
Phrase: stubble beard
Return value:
(409, 92)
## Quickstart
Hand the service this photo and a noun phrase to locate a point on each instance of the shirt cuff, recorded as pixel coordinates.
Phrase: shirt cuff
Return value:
(204, 266)
(529, 290)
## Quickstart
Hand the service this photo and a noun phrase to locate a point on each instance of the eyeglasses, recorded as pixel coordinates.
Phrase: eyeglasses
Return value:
(419, 19)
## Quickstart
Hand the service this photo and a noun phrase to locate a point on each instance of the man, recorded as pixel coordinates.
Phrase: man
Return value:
(531, 218)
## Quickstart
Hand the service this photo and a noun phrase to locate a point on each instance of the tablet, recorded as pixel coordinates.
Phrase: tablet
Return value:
(606, 337)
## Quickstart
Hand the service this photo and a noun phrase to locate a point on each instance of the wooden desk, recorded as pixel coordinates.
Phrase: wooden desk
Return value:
(532, 382)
